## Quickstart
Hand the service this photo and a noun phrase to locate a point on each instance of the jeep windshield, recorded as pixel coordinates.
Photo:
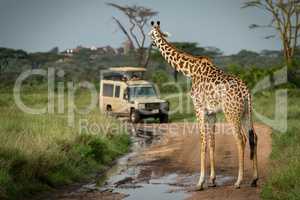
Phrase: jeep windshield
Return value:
(141, 91)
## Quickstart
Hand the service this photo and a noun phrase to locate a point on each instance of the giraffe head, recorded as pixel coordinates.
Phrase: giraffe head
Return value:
(156, 33)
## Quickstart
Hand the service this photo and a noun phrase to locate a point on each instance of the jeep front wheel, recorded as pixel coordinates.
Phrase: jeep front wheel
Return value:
(164, 118)
(134, 116)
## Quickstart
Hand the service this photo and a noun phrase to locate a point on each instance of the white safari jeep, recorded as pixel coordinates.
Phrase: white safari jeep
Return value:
(123, 92)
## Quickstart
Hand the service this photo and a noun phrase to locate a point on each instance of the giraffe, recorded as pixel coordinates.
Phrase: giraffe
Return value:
(213, 91)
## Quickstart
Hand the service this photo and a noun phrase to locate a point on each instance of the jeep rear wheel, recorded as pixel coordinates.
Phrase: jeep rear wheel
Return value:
(134, 116)
(108, 111)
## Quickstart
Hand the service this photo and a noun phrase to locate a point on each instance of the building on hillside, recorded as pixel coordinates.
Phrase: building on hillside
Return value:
(93, 48)
(68, 52)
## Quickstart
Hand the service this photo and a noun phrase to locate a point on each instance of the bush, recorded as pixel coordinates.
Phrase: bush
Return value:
(38, 152)
(254, 74)
(160, 77)
(166, 84)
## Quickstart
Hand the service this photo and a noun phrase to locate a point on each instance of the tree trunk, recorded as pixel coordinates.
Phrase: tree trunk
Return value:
(148, 56)
(140, 56)
(288, 57)
(287, 52)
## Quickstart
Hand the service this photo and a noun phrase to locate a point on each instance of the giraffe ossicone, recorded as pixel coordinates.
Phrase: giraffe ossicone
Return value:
(213, 91)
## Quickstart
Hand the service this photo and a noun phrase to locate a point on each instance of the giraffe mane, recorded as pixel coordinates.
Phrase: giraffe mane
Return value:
(180, 50)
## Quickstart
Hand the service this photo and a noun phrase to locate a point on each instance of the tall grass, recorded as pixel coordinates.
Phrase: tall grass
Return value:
(284, 177)
(38, 152)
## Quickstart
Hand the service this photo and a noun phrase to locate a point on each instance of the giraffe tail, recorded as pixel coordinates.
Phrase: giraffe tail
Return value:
(251, 134)
(252, 143)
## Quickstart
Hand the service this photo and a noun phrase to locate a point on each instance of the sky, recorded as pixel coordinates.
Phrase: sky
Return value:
(40, 25)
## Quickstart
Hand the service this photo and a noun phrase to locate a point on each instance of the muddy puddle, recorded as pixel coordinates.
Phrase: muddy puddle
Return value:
(136, 178)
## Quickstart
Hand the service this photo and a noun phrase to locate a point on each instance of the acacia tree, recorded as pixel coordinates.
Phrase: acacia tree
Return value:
(284, 20)
(138, 17)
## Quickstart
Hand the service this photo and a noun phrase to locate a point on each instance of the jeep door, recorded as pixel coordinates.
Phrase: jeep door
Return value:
(120, 103)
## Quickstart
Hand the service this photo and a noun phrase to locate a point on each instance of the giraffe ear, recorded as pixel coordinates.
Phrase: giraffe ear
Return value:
(152, 23)
(158, 23)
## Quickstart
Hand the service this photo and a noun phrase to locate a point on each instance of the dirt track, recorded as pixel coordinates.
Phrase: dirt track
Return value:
(181, 152)
(169, 167)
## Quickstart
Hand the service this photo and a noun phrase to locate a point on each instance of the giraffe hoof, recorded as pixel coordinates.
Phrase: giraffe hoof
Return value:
(199, 188)
(254, 183)
(212, 184)
(195, 189)
(237, 186)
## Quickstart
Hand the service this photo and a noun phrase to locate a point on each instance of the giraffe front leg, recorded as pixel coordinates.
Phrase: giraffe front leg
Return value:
(202, 152)
(212, 178)
(202, 161)
(212, 121)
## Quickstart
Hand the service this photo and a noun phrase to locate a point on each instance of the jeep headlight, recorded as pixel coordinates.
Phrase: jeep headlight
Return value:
(141, 106)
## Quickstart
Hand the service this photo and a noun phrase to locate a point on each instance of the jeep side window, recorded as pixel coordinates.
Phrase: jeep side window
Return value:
(108, 90)
(117, 91)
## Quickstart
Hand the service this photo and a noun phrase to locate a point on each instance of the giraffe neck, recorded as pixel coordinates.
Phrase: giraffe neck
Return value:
(182, 62)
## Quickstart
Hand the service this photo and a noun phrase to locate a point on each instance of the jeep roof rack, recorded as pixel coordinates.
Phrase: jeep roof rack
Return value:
(114, 76)
(124, 73)
(128, 69)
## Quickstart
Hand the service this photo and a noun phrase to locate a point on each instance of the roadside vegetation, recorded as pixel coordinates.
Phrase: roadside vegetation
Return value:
(41, 152)
(284, 175)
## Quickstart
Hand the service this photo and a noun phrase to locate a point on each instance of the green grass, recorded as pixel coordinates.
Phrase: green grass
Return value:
(40, 152)
(284, 176)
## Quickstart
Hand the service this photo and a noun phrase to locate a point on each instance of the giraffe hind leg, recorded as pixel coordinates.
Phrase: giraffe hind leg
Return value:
(252, 137)
(241, 151)
(254, 162)
(211, 130)
(235, 120)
